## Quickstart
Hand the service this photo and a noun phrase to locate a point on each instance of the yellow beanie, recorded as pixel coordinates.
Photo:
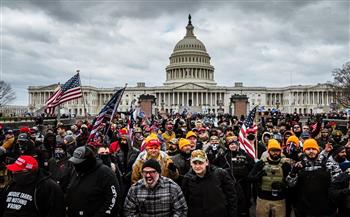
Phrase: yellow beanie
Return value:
(183, 143)
(273, 144)
(293, 139)
(191, 133)
(311, 143)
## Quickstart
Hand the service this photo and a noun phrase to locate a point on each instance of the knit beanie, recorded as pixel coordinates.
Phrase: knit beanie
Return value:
(310, 143)
(153, 164)
(293, 139)
(273, 144)
(337, 150)
(190, 133)
(69, 138)
(183, 143)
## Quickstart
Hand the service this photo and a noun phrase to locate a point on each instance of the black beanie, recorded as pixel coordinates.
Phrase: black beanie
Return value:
(153, 164)
(337, 150)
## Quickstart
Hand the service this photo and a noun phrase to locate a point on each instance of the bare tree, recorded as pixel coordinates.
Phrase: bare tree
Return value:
(341, 84)
(7, 94)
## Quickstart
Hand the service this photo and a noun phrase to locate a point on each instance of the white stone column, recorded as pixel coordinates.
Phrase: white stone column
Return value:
(178, 98)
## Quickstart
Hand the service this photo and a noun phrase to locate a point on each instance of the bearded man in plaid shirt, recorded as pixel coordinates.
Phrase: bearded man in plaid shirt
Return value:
(155, 195)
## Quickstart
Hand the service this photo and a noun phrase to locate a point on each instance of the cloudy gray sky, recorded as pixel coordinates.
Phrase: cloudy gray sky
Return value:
(260, 43)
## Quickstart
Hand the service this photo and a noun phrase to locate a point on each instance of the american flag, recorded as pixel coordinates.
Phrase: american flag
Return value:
(243, 141)
(68, 91)
(106, 114)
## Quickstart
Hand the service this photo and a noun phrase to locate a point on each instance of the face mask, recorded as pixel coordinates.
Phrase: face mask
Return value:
(85, 166)
(24, 178)
(214, 147)
(59, 154)
(106, 159)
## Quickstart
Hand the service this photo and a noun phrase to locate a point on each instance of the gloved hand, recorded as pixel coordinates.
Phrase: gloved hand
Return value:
(172, 167)
(277, 185)
(297, 167)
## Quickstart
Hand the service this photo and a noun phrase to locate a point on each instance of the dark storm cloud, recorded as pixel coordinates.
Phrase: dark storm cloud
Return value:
(277, 43)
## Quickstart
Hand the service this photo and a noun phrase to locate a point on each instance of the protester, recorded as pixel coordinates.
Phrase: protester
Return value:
(209, 190)
(155, 195)
(312, 181)
(270, 173)
(31, 192)
(95, 190)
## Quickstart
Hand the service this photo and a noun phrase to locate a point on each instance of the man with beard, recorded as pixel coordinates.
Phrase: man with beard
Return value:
(333, 162)
(238, 164)
(94, 191)
(125, 158)
(297, 130)
(311, 180)
(155, 195)
(60, 168)
(324, 138)
(173, 147)
(182, 159)
(270, 174)
(31, 192)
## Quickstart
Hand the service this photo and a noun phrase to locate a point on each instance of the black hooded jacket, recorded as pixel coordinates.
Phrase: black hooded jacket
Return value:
(95, 193)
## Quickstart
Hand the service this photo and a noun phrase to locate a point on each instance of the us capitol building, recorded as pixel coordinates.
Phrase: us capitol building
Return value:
(190, 85)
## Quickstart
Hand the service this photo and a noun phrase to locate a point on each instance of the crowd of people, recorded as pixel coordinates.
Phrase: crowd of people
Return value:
(177, 165)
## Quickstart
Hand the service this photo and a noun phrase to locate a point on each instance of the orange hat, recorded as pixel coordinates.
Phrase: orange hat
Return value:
(311, 143)
(183, 143)
(273, 144)
(230, 139)
(190, 133)
(293, 139)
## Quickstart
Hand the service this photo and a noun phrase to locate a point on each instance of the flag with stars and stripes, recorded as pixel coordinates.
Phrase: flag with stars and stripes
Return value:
(68, 91)
(248, 126)
(106, 115)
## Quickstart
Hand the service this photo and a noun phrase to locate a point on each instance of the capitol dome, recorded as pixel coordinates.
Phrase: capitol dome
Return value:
(189, 61)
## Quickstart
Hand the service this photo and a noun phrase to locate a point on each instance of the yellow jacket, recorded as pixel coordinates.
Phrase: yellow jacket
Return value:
(164, 161)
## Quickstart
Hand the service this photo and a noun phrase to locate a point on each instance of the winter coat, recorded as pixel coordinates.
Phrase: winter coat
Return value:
(93, 194)
(312, 183)
(183, 164)
(340, 194)
(124, 161)
(62, 172)
(47, 197)
(212, 195)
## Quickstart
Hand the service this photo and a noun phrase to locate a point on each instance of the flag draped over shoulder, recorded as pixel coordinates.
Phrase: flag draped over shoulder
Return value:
(243, 141)
(106, 114)
(68, 91)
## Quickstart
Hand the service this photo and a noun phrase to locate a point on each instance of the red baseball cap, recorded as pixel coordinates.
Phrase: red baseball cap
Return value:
(24, 162)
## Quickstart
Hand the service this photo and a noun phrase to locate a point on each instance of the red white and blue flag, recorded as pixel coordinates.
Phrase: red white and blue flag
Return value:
(106, 114)
(68, 91)
(244, 143)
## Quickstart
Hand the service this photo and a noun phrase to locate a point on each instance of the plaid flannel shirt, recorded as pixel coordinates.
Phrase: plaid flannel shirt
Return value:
(165, 199)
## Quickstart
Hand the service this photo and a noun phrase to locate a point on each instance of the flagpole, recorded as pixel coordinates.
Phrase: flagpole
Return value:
(59, 114)
(82, 93)
(115, 107)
